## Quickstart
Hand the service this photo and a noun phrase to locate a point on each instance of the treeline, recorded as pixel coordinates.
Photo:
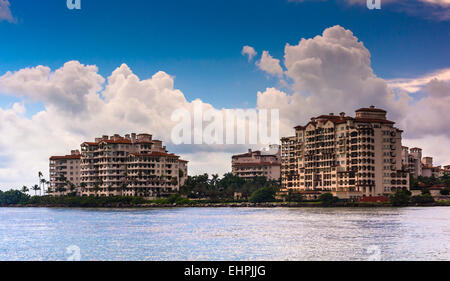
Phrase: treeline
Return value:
(417, 183)
(16, 197)
(13, 197)
(405, 198)
(223, 189)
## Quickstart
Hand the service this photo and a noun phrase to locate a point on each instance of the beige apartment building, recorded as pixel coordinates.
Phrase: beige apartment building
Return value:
(258, 164)
(348, 156)
(417, 166)
(64, 172)
(428, 170)
(412, 160)
(133, 165)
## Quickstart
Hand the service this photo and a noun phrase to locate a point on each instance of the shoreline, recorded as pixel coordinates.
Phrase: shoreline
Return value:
(227, 205)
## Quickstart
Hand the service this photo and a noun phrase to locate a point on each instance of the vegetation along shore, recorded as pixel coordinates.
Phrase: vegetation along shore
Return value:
(228, 191)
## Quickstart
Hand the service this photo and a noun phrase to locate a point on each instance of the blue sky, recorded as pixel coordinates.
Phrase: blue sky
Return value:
(199, 42)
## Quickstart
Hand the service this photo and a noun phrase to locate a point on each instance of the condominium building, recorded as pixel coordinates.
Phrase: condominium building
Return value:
(64, 172)
(417, 165)
(428, 170)
(412, 160)
(134, 165)
(258, 164)
(348, 156)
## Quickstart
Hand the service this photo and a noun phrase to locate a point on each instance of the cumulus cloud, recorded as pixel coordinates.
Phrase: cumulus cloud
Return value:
(417, 83)
(330, 72)
(79, 105)
(249, 52)
(428, 116)
(5, 11)
(68, 89)
(333, 72)
(269, 64)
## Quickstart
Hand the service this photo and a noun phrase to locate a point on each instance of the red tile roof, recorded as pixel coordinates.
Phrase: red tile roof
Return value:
(66, 157)
(155, 154)
(90, 143)
(257, 164)
(118, 141)
(247, 154)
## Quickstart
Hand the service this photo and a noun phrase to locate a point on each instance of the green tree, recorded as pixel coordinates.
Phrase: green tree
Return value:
(43, 182)
(36, 188)
(264, 194)
(423, 199)
(293, 196)
(328, 199)
(40, 175)
(13, 197)
(400, 198)
(24, 189)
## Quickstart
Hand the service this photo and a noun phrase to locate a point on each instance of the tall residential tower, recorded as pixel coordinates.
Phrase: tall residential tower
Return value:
(134, 165)
(348, 156)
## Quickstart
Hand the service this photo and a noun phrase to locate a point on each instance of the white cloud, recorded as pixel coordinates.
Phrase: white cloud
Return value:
(330, 72)
(5, 12)
(416, 84)
(79, 106)
(333, 72)
(270, 65)
(249, 51)
(428, 116)
(438, 2)
(68, 89)
(433, 146)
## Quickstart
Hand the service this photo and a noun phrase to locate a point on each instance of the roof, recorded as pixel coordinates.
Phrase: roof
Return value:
(248, 154)
(90, 143)
(66, 157)
(118, 141)
(371, 110)
(257, 164)
(336, 119)
(155, 154)
(288, 138)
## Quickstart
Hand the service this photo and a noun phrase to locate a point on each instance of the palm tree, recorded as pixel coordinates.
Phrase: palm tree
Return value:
(43, 182)
(35, 188)
(25, 189)
(40, 182)
(48, 185)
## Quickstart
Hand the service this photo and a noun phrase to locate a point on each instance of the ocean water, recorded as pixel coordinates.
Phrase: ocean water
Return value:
(233, 234)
